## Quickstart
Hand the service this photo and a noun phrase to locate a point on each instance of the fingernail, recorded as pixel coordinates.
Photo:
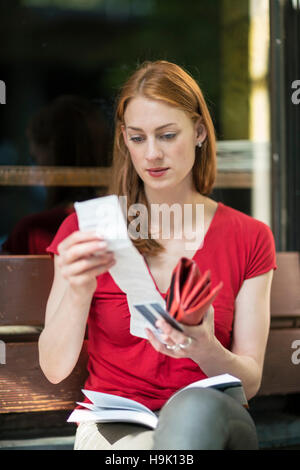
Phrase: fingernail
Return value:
(98, 235)
(102, 245)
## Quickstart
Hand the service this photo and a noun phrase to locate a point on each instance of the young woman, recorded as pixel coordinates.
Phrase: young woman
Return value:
(164, 153)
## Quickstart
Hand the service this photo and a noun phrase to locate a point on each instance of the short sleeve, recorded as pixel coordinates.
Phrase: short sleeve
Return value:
(69, 225)
(261, 256)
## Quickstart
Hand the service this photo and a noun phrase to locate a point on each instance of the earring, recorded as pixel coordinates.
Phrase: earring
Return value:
(199, 144)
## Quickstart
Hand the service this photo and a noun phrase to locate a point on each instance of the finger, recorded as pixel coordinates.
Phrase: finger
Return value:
(209, 314)
(171, 336)
(168, 340)
(78, 237)
(83, 250)
(157, 345)
(92, 273)
(160, 347)
(86, 264)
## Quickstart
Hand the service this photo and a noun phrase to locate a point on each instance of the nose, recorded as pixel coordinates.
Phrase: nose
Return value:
(153, 150)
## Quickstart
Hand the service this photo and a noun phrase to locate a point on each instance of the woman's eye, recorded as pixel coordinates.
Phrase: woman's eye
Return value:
(168, 136)
(136, 139)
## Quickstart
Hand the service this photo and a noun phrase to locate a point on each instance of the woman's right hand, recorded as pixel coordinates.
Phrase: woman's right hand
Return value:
(82, 257)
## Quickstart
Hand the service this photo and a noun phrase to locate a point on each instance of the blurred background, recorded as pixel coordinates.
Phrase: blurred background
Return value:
(62, 63)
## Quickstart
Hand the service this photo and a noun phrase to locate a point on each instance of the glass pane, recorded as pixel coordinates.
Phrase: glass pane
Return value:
(87, 49)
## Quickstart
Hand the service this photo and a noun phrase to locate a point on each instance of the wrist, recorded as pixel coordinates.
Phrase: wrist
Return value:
(207, 353)
(217, 360)
(80, 297)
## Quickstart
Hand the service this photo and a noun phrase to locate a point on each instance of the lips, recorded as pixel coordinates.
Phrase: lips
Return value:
(157, 169)
(156, 172)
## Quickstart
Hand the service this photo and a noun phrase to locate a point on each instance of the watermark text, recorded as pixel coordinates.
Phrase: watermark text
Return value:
(296, 94)
(296, 354)
(176, 221)
(2, 92)
(2, 352)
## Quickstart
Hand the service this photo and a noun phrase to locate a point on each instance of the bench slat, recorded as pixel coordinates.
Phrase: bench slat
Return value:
(25, 283)
(281, 375)
(285, 295)
(23, 386)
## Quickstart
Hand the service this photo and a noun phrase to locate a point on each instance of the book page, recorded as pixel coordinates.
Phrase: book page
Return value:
(106, 400)
(110, 416)
(218, 380)
(221, 382)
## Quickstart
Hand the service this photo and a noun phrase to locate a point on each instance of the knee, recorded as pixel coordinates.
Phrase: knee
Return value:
(194, 419)
(198, 399)
(203, 403)
(204, 419)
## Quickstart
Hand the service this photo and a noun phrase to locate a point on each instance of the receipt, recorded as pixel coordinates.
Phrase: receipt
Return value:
(104, 215)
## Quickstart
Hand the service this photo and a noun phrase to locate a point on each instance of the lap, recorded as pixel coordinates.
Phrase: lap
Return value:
(193, 409)
(113, 436)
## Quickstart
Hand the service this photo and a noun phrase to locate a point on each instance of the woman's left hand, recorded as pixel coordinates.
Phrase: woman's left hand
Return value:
(192, 343)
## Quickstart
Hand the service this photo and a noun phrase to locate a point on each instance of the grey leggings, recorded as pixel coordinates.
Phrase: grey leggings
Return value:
(194, 420)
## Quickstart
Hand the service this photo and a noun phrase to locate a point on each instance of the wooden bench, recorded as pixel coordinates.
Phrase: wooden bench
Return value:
(281, 375)
(30, 406)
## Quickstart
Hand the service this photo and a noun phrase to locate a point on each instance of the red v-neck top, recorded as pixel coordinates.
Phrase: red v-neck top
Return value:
(236, 247)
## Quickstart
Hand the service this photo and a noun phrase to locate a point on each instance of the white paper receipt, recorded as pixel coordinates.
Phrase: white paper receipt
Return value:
(104, 216)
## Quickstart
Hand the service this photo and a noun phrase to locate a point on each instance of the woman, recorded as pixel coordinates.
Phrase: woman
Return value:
(164, 152)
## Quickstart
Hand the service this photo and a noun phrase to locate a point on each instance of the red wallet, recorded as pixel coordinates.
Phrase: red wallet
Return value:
(190, 293)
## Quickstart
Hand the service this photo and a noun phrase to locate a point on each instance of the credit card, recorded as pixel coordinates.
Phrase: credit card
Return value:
(152, 311)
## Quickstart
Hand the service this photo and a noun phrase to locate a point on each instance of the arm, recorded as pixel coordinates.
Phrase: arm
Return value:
(75, 271)
(250, 334)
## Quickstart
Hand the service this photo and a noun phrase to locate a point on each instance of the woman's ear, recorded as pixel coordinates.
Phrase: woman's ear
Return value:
(200, 131)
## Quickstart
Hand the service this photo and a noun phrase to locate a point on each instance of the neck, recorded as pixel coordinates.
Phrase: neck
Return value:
(172, 196)
(180, 197)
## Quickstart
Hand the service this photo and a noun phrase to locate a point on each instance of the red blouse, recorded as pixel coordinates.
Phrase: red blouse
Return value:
(236, 247)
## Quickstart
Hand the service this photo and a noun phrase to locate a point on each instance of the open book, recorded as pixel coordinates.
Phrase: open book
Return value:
(106, 408)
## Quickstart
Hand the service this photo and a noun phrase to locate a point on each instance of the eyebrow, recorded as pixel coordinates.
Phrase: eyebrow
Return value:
(157, 129)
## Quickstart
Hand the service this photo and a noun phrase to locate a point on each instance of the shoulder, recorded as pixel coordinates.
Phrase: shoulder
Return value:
(68, 226)
(70, 222)
(251, 239)
(246, 225)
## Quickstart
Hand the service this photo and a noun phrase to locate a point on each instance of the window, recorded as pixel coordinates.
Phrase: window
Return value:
(88, 48)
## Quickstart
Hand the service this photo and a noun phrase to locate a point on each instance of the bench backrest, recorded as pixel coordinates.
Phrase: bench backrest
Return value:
(281, 372)
(25, 283)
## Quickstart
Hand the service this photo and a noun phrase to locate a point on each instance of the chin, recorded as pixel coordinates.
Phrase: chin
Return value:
(161, 185)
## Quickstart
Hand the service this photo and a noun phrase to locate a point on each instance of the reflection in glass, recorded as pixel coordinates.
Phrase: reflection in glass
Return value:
(68, 132)
(88, 49)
